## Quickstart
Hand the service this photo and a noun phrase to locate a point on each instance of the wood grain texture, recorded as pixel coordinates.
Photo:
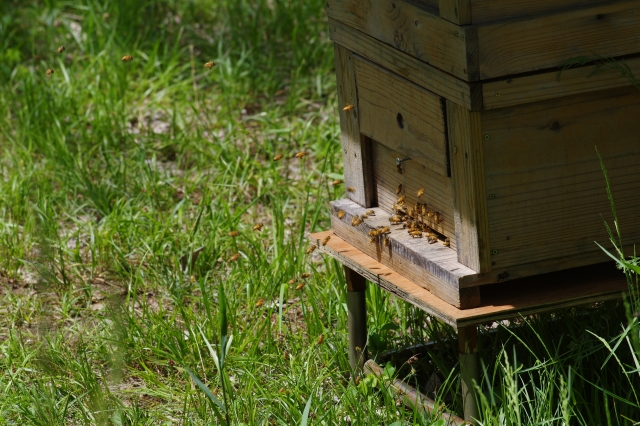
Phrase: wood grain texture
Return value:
(406, 117)
(355, 151)
(489, 11)
(456, 11)
(432, 266)
(438, 193)
(410, 28)
(531, 295)
(466, 94)
(554, 84)
(469, 193)
(547, 192)
(513, 47)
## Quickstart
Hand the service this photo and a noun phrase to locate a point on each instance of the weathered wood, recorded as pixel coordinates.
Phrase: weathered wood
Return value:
(513, 47)
(432, 266)
(410, 29)
(554, 84)
(469, 371)
(528, 296)
(355, 152)
(456, 11)
(466, 94)
(469, 193)
(438, 193)
(546, 190)
(356, 318)
(408, 118)
(489, 11)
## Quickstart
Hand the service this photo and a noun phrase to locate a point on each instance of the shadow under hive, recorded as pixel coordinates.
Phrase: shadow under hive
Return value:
(475, 153)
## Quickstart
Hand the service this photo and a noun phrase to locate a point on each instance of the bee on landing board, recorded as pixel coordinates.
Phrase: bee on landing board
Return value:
(258, 226)
(356, 220)
(340, 214)
(447, 242)
(325, 240)
(278, 157)
(209, 64)
(127, 58)
(370, 213)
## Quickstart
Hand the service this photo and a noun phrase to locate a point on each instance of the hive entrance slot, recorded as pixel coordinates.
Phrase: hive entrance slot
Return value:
(400, 120)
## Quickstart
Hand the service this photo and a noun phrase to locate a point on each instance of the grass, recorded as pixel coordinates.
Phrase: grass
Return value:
(121, 182)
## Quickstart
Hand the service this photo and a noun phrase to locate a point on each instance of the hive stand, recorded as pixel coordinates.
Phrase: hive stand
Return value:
(499, 301)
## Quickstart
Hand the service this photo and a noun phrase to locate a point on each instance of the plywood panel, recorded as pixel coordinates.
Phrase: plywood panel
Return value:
(406, 117)
(546, 193)
(437, 188)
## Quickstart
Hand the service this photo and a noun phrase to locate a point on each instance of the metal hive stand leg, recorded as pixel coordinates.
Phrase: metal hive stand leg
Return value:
(357, 319)
(469, 370)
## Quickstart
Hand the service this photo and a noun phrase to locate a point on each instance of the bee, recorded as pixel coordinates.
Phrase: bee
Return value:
(61, 49)
(50, 71)
(399, 189)
(301, 154)
(430, 214)
(432, 239)
(209, 64)
(310, 249)
(399, 169)
(321, 339)
(337, 182)
(447, 242)
(356, 220)
(351, 189)
(259, 303)
(292, 281)
(305, 275)
(349, 108)
(371, 213)
(395, 219)
(401, 199)
(387, 242)
(340, 214)
(437, 218)
(300, 286)
(326, 240)
(127, 58)
(374, 232)
(234, 257)
(416, 234)
(372, 240)
(234, 234)
(282, 390)
(384, 230)
(420, 192)
(258, 226)
(278, 157)
(425, 211)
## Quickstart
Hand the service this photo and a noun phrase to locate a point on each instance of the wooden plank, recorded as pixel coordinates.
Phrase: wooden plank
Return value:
(355, 152)
(513, 47)
(438, 192)
(409, 28)
(489, 11)
(545, 187)
(432, 266)
(551, 85)
(406, 117)
(466, 94)
(456, 11)
(469, 193)
(531, 295)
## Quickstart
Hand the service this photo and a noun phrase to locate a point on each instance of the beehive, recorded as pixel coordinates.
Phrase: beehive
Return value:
(464, 101)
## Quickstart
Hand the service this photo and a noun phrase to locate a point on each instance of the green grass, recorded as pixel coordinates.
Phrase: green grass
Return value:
(115, 175)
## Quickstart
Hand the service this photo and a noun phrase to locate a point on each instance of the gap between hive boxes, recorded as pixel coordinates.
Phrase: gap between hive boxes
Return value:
(432, 266)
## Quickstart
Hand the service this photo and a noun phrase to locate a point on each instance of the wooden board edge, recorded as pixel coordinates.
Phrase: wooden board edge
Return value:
(456, 11)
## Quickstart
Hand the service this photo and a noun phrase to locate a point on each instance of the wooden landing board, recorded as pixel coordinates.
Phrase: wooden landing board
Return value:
(533, 295)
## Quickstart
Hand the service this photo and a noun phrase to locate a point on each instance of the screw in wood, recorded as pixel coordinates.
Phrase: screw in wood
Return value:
(486, 137)
(494, 251)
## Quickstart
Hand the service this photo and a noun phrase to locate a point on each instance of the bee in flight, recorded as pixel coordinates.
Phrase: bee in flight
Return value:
(209, 65)
(420, 192)
(234, 257)
(351, 189)
(305, 275)
(301, 154)
(349, 108)
(61, 49)
(321, 339)
(127, 58)
(50, 71)
(258, 226)
(278, 157)
(300, 286)
(292, 281)
(234, 234)
(259, 303)
(311, 249)
(340, 214)
(337, 182)
(325, 240)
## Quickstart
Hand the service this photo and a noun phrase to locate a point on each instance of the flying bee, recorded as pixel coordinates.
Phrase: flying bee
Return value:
(340, 214)
(50, 71)
(399, 189)
(209, 64)
(325, 240)
(301, 154)
(127, 58)
(305, 275)
(234, 257)
(234, 234)
(278, 157)
(337, 182)
(300, 286)
(356, 220)
(351, 189)
(371, 213)
(420, 192)
(310, 249)
(259, 303)
(321, 339)
(349, 108)
(61, 49)
(258, 226)
(387, 242)
(447, 242)
(293, 281)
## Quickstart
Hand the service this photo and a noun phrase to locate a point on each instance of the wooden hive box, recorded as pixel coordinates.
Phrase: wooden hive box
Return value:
(463, 100)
